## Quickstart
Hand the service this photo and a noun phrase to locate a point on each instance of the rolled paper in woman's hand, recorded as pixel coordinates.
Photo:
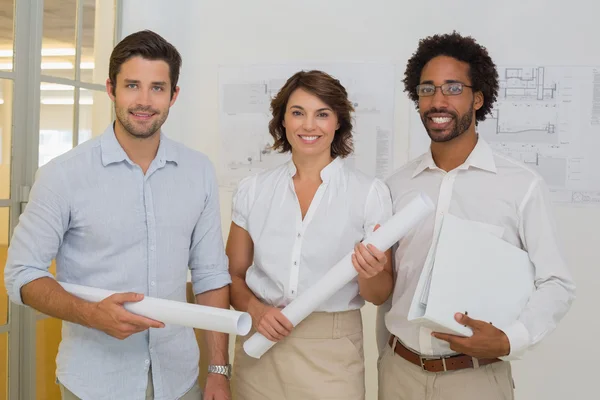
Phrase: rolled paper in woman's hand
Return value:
(343, 272)
(174, 312)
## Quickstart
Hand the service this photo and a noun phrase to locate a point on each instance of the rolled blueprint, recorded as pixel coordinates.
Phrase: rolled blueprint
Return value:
(343, 272)
(174, 312)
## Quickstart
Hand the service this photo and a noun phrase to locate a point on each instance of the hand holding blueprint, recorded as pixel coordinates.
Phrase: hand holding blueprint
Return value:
(343, 272)
(174, 312)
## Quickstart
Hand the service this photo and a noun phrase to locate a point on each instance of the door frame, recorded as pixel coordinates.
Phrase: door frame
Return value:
(28, 22)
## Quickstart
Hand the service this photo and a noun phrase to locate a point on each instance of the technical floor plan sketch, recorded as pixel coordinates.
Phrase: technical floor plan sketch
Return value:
(526, 84)
(526, 109)
(244, 115)
(548, 118)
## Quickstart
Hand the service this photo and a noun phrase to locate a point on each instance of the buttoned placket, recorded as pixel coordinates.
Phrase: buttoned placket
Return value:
(151, 245)
(301, 225)
(443, 205)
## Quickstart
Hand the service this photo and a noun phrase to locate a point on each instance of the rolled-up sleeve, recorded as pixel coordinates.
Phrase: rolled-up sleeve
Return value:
(378, 207)
(208, 262)
(39, 234)
(241, 203)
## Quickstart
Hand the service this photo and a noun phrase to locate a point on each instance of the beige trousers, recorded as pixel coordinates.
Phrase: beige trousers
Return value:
(322, 359)
(193, 394)
(402, 380)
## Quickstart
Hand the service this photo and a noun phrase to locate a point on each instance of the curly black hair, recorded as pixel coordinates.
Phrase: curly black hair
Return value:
(482, 71)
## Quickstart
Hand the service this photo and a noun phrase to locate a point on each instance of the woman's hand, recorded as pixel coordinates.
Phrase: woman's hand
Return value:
(270, 322)
(368, 260)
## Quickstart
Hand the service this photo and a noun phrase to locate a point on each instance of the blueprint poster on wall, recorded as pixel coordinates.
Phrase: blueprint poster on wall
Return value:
(244, 115)
(548, 118)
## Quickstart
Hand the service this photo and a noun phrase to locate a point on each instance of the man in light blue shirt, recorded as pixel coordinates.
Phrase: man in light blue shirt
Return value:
(129, 211)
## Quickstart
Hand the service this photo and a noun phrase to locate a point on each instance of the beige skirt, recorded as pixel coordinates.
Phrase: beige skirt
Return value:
(321, 359)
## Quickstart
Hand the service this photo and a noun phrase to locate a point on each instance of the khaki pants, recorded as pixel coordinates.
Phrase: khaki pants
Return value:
(193, 394)
(402, 380)
(322, 359)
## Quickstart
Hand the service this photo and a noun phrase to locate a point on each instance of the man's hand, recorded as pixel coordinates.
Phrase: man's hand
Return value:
(368, 260)
(487, 340)
(110, 317)
(217, 387)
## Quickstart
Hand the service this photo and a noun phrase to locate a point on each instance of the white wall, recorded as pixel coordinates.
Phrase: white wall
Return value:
(550, 32)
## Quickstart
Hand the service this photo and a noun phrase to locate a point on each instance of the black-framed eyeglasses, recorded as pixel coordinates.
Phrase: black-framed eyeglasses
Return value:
(448, 89)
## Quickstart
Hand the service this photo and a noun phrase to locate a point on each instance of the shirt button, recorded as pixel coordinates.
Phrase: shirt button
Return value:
(295, 263)
(151, 248)
(152, 283)
(299, 235)
(147, 362)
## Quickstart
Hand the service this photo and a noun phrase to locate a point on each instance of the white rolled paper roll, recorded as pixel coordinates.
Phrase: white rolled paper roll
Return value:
(343, 272)
(174, 312)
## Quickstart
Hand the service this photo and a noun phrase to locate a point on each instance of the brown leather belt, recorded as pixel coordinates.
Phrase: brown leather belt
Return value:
(450, 363)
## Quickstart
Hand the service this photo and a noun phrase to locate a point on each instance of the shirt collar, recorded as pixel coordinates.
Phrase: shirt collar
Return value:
(326, 173)
(167, 150)
(481, 157)
(112, 152)
(425, 163)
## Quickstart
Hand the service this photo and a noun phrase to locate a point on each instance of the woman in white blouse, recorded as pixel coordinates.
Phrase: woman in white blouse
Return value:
(291, 224)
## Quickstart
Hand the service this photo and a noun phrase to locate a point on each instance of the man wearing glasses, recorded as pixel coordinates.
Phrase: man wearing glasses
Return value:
(454, 84)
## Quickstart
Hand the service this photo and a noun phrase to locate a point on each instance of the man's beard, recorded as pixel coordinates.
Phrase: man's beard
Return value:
(123, 115)
(461, 125)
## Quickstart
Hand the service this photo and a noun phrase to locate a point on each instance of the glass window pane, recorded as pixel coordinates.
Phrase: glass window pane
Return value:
(97, 40)
(95, 113)
(48, 335)
(7, 9)
(56, 120)
(4, 228)
(3, 366)
(58, 40)
(6, 94)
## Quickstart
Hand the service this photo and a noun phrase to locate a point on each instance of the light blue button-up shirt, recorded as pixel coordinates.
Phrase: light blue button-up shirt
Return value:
(110, 226)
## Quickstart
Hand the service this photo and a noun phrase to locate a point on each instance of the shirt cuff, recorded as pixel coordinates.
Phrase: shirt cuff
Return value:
(211, 280)
(518, 337)
(25, 277)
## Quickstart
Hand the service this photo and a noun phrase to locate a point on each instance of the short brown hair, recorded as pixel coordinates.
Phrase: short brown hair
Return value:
(330, 91)
(148, 45)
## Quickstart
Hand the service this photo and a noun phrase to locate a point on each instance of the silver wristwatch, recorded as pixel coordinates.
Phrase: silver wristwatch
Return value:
(220, 369)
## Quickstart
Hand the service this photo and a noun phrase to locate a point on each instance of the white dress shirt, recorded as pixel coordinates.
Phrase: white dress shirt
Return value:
(291, 254)
(508, 199)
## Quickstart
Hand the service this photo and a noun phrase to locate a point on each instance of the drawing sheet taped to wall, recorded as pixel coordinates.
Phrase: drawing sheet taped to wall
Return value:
(548, 118)
(244, 115)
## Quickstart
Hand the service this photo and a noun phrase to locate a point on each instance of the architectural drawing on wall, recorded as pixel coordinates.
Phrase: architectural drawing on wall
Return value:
(548, 118)
(527, 107)
(244, 115)
(547, 161)
(526, 84)
(522, 121)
